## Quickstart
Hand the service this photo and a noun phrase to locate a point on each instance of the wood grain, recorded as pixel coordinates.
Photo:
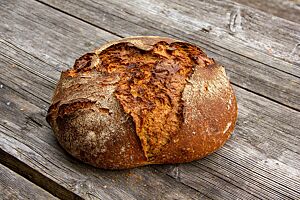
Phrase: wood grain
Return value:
(251, 50)
(227, 25)
(224, 24)
(260, 161)
(288, 9)
(13, 186)
(262, 153)
(251, 160)
(247, 73)
(26, 136)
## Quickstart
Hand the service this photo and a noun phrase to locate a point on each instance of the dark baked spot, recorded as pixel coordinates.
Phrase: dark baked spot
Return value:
(205, 87)
(83, 62)
(151, 85)
(81, 65)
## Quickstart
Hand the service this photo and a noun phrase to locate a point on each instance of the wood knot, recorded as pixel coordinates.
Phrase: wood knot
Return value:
(235, 21)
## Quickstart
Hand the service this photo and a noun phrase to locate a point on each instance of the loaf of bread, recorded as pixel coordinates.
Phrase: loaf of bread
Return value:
(143, 100)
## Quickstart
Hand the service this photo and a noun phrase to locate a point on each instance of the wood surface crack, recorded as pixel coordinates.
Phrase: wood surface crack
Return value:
(237, 84)
(37, 178)
(279, 126)
(235, 20)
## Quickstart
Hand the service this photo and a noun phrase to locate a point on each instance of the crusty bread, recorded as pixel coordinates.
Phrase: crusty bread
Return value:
(143, 100)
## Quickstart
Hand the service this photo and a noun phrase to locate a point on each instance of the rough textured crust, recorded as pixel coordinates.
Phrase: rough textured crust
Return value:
(143, 100)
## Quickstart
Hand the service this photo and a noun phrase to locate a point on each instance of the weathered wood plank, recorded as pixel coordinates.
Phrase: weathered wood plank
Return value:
(252, 52)
(59, 47)
(28, 139)
(13, 186)
(252, 159)
(233, 27)
(287, 9)
(49, 36)
(266, 131)
(260, 161)
(90, 183)
(26, 86)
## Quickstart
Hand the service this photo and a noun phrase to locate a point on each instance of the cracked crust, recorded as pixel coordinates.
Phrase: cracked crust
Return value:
(143, 100)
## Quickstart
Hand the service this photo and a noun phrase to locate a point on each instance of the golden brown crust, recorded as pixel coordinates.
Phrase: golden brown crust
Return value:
(143, 100)
(142, 42)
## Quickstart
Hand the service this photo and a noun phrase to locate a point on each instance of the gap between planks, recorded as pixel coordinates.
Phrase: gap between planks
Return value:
(285, 103)
(294, 105)
(34, 176)
(35, 75)
(13, 186)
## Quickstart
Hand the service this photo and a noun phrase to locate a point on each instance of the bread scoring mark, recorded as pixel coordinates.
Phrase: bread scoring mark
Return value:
(87, 138)
(77, 104)
(95, 117)
(91, 131)
(151, 85)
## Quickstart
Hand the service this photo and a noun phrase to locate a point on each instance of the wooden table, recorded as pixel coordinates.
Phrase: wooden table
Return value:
(257, 41)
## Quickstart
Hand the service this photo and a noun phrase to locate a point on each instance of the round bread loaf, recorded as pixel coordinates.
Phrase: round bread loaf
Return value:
(143, 100)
